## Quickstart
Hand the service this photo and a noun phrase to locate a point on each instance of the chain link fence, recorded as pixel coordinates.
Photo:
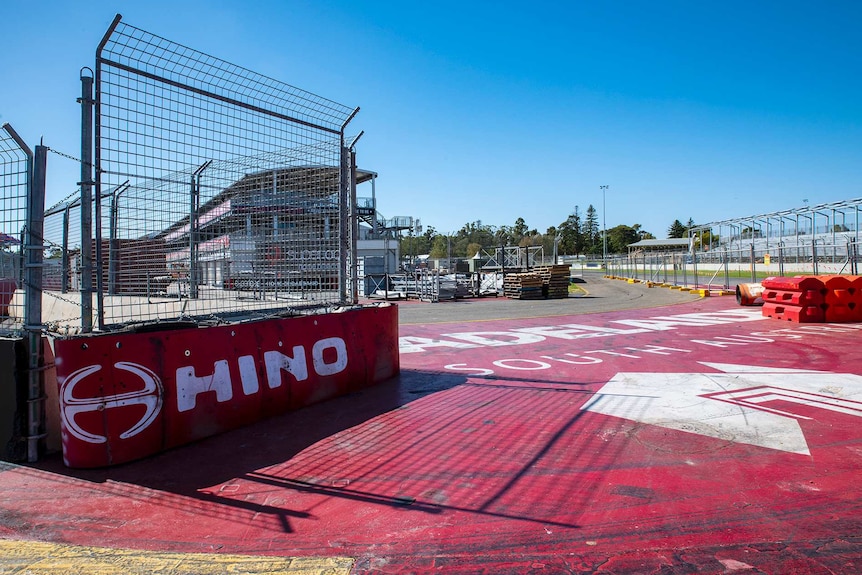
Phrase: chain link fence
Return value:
(211, 192)
(16, 161)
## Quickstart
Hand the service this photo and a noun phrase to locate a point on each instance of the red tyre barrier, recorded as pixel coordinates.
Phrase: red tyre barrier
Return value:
(795, 313)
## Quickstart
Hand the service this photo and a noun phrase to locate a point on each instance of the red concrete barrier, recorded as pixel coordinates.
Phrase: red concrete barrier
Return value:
(802, 298)
(857, 296)
(124, 396)
(839, 301)
(795, 283)
(795, 313)
(797, 298)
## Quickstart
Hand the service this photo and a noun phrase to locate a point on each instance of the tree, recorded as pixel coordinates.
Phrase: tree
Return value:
(642, 234)
(473, 233)
(704, 239)
(571, 235)
(549, 241)
(430, 233)
(519, 230)
(676, 230)
(503, 236)
(412, 246)
(440, 247)
(620, 237)
(591, 231)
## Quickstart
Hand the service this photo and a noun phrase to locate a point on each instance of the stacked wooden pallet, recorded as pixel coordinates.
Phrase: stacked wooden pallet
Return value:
(556, 280)
(523, 286)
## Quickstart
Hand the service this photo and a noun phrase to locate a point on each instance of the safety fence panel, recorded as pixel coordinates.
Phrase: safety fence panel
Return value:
(726, 266)
(16, 161)
(219, 192)
(61, 271)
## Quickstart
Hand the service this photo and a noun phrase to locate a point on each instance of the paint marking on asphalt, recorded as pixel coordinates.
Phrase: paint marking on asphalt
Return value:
(37, 558)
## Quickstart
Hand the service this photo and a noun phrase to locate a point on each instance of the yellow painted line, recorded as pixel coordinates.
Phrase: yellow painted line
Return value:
(37, 558)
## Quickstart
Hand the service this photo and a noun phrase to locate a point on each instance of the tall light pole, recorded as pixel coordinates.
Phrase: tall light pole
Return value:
(604, 230)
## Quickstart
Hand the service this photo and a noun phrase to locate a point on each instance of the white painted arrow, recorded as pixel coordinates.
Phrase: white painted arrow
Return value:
(739, 405)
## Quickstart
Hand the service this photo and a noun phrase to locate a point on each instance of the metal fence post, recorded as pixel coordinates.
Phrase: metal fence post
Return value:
(343, 216)
(674, 265)
(64, 257)
(854, 266)
(753, 264)
(851, 256)
(694, 267)
(780, 258)
(814, 256)
(684, 266)
(33, 323)
(86, 101)
(354, 231)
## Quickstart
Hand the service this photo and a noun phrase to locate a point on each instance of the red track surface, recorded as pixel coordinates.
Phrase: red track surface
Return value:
(707, 452)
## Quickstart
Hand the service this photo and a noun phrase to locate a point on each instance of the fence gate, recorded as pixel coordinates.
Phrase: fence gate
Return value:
(217, 191)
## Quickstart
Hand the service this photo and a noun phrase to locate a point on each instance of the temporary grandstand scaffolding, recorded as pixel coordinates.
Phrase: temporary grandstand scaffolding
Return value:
(823, 237)
(820, 239)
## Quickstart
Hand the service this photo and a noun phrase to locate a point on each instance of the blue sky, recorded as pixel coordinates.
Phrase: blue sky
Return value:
(494, 110)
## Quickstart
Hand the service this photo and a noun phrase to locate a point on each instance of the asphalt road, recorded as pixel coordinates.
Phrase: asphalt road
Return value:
(602, 295)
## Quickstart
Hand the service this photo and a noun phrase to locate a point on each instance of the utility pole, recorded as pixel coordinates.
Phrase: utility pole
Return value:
(604, 230)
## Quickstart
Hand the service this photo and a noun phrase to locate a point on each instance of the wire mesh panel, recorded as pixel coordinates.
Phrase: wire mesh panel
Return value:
(61, 271)
(219, 191)
(15, 172)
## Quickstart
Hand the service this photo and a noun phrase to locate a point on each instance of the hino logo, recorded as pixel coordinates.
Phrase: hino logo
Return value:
(150, 396)
(189, 385)
(328, 357)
